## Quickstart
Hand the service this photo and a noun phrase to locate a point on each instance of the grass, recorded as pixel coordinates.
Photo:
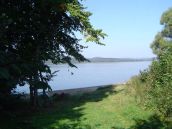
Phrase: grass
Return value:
(107, 108)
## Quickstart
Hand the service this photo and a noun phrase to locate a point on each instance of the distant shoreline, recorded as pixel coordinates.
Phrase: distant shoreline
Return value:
(82, 90)
(111, 60)
(76, 91)
(100, 59)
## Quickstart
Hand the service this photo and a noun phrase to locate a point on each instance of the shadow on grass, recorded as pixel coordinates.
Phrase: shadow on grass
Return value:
(153, 122)
(64, 114)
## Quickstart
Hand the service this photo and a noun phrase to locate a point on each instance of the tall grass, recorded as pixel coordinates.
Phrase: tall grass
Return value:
(137, 88)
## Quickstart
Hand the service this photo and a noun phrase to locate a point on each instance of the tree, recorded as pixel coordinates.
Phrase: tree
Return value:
(163, 39)
(35, 31)
(159, 81)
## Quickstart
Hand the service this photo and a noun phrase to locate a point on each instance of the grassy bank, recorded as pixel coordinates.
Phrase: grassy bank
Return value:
(106, 108)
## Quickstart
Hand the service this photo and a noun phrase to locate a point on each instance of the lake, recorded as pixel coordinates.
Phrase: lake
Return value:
(93, 74)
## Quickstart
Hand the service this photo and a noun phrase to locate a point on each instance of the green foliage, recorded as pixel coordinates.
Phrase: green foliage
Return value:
(78, 11)
(153, 87)
(160, 84)
(160, 74)
(144, 75)
(33, 32)
(156, 83)
(166, 20)
(137, 88)
(163, 39)
(159, 45)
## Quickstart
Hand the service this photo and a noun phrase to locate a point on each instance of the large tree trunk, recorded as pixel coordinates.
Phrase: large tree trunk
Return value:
(44, 90)
(44, 93)
(33, 81)
(31, 95)
(36, 78)
(35, 101)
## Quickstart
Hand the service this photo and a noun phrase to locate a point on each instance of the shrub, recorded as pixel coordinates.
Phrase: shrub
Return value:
(160, 84)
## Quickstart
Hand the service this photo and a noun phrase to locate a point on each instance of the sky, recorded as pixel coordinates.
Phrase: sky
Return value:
(131, 26)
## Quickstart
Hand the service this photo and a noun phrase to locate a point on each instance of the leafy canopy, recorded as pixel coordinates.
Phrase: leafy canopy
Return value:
(163, 39)
(35, 31)
(159, 79)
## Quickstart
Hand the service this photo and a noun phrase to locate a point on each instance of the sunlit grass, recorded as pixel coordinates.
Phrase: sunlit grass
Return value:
(107, 108)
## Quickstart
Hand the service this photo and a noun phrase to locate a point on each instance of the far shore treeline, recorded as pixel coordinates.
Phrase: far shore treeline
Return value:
(101, 59)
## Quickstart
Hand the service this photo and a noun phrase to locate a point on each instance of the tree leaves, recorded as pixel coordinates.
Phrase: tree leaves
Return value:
(4, 74)
(163, 40)
(32, 32)
(159, 81)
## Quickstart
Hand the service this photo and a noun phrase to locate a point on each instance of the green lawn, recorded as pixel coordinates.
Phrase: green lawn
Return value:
(106, 108)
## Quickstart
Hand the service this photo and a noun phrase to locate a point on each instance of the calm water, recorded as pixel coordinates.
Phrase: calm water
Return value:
(93, 74)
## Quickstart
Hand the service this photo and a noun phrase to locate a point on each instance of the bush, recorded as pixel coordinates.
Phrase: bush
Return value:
(153, 87)
(160, 84)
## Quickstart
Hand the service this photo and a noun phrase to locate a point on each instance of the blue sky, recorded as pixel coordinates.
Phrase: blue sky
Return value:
(131, 26)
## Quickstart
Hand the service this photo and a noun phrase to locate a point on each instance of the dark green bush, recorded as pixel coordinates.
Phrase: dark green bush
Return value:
(160, 84)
